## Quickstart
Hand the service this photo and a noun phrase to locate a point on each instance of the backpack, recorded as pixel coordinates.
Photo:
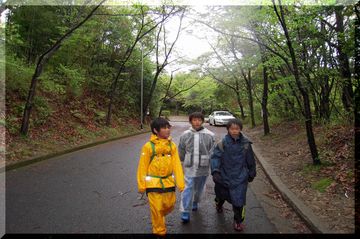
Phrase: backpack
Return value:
(151, 159)
(154, 151)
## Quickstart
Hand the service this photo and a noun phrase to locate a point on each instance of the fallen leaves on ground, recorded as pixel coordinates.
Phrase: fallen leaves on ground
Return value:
(335, 144)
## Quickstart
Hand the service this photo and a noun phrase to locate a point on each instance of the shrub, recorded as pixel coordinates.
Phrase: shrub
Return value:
(18, 76)
(43, 110)
(74, 78)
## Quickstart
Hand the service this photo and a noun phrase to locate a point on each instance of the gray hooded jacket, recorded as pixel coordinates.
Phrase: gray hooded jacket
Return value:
(195, 149)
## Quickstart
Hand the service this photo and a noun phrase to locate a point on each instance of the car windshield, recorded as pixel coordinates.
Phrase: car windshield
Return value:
(223, 114)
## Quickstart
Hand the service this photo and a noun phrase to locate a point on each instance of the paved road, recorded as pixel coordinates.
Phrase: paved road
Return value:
(94, 191)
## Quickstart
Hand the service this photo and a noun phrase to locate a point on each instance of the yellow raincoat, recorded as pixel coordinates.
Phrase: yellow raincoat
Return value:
(158, 174)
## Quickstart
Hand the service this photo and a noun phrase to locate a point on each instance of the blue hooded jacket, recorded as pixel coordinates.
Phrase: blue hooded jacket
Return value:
(236, 164)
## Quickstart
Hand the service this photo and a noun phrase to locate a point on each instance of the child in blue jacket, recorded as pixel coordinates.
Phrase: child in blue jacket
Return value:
(232, 167)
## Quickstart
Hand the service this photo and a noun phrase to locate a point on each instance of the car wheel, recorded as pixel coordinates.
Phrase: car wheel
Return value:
(214, 122)
(210, 122)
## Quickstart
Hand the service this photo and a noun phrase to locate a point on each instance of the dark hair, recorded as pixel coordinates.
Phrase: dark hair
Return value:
(159, 123)
(196, 115)
(234, 121)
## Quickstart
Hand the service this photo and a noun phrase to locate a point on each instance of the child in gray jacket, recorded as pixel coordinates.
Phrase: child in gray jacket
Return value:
(195, 147)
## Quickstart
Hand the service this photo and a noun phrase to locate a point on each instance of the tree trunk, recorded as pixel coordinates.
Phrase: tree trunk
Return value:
(112, 93)
(127, 55)
(265, 113)
(264, 99)
(237, 92)
(152, 89)
(316, 104)
(251, 101)
(240, 104)
(160, 67)
(116, 80)
(357, 83)
(325, 87)
(304, 93)
(347, 91)
(160, 111)
(324, 100)
(30, 98)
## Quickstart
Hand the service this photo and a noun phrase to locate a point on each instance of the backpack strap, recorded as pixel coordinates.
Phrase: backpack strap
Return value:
(153, 151)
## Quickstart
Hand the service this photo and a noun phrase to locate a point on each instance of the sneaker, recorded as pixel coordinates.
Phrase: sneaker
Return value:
(185, 217)
(195, 206)
(238, 226)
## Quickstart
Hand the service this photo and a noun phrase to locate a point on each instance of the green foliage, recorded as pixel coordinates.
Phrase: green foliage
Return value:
(42, 109)
(322, 184)
(18, 76)
(100, 78)
(88, 61)
(246, 121)
(2, 122)
(202, 96)
(237, 114)
(33, 29)
(12, 124)
(50, 86)
(74, 80)
(99, 115)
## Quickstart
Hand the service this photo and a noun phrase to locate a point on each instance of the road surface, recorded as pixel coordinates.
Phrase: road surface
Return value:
(94, 191)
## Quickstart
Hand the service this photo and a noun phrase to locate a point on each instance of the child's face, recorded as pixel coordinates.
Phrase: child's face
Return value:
(196, 123)
(234, 130)
(164, 133)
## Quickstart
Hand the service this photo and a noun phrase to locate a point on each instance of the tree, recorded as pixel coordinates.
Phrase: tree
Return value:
(347, 91)
(167, 52)
(307, 110)
(234, 86)
(357, 82)
(285, 48)
(143, 30)
(43, 59)
(168, 96)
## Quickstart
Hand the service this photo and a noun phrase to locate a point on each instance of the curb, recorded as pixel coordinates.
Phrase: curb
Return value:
(311, 220)
(51, 155)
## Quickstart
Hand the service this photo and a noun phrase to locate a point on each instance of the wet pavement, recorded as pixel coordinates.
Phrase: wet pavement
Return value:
(94, 191)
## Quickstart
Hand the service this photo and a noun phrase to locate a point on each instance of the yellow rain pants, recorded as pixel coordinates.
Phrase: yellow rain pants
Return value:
(161, 204)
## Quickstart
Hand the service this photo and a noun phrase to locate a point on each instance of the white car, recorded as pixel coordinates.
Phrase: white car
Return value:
(220, 117)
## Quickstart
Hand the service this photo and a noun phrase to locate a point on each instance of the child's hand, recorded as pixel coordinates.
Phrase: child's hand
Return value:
(216, 177)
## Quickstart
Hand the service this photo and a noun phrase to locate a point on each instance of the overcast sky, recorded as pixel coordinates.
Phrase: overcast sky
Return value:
(192, 41)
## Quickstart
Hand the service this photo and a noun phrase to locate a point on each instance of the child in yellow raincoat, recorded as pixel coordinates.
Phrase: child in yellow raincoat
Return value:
(159, 171)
